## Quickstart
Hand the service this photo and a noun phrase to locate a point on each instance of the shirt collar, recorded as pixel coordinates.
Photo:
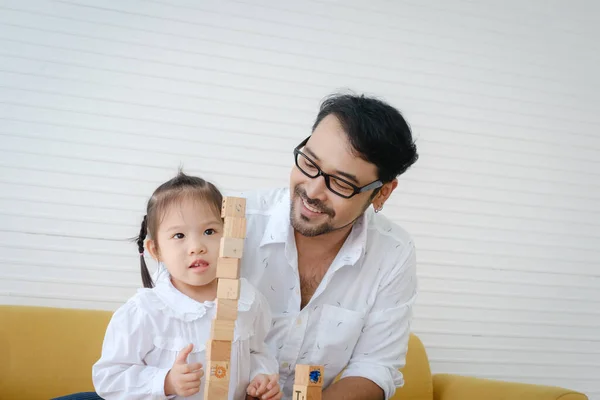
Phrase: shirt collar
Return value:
(183, 306)
(279, 229)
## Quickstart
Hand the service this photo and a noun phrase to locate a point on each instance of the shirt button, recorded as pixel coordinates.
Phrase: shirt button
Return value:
(299, 321)
(297, 291)
(285, 365)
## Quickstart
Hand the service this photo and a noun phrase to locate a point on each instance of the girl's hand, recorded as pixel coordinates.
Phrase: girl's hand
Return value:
(183, 379)
(265, 387)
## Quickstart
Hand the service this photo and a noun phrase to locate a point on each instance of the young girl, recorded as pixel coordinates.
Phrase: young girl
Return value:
(154, 346)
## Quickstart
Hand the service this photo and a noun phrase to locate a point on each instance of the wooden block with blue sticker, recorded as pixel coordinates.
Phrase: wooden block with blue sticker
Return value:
(302, 392)
(309, 375)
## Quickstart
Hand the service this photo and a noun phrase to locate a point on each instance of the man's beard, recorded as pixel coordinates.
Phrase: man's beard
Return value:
(299, 226)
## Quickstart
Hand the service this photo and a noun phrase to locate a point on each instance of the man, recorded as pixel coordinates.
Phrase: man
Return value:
(340, 279)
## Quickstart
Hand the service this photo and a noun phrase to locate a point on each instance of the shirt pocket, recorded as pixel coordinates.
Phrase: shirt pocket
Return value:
(338, 332)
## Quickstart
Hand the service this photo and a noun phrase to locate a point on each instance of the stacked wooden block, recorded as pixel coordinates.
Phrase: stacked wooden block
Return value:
(308, 382)
(218, 348)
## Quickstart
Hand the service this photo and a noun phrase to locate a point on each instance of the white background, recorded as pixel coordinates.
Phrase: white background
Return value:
(100, 101)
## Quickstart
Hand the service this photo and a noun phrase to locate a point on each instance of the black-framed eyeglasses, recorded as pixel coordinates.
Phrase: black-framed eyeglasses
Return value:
(337, 185)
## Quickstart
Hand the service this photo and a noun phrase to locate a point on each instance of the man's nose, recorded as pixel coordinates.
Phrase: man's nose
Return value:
(316, 188)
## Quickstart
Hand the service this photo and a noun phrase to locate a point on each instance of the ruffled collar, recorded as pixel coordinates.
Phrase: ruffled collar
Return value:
(177, 305)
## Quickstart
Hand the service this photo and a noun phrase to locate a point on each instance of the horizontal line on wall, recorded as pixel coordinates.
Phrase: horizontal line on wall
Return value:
(311, 98)
(134, 227)
(233, 116)
(528, 283)
(238, 175)
(526, 140)
(391, 69)
(437, 263)
(273, 106)
(63, 218)
(493, 17)
(65, 203)
(286, 24)
(521, 308)
(509, 295)
(85, 266)
(288, 165)
(533, 180)
(417, 207)
(82, 282)
(507, 322)
(469, 361)
(224, 173)
(56, 249)
(504, 335)
(520, 349)
(503, 255)
(58, 296)
(167, 108)
(514, 269)
(323, 87)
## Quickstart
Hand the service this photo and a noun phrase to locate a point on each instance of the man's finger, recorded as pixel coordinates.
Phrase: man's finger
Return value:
(183, 354)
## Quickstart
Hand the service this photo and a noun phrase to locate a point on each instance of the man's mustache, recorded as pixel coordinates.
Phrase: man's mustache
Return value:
(314, 203)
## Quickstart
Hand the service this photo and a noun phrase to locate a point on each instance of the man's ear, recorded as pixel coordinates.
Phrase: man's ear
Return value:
(152, 249)
(384, 193)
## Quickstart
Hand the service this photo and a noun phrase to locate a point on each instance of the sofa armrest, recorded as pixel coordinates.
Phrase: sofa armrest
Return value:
(455, 387)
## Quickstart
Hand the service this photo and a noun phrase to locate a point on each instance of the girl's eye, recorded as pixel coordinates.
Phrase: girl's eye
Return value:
(209, 232)
(178, 236)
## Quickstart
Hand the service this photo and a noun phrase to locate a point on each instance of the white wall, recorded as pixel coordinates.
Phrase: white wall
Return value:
(100, 101)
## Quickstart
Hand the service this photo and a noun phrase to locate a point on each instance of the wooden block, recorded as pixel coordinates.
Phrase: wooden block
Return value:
(222, 330)
(309, 375)
(228, 289)
(233, 207)
(217, 370)
(301, 392)
(216, 390)
(228, 268)
(218, 350)
(231, 247)
(234, 227)
(227, 309)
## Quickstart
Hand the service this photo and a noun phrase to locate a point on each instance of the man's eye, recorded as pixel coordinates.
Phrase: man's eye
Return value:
(209, 232)
(178, 236)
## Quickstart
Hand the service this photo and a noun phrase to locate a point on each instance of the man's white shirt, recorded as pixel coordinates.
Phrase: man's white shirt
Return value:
(358, 320)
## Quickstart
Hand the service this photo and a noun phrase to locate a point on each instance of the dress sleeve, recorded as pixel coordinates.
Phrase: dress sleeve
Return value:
(121, 373)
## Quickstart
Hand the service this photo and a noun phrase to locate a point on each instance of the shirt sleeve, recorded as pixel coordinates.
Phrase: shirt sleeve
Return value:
(262, 360)
(121, 373)
(382, 346)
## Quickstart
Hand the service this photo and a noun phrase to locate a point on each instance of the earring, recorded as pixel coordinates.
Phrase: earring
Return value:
(378, 209)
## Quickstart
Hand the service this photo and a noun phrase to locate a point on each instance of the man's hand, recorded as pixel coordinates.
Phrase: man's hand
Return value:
(183, 379)
(265, 387)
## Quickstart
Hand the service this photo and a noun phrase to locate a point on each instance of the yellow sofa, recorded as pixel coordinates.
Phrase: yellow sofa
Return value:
(49, 352)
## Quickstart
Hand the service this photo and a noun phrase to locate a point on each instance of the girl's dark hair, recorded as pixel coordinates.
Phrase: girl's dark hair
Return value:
(175, 190)
(377, 131)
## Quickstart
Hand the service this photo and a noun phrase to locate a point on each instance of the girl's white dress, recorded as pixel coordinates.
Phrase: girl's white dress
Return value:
(145, 335)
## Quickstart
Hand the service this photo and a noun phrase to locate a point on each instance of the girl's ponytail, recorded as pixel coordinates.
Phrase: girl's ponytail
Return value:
(146, 278)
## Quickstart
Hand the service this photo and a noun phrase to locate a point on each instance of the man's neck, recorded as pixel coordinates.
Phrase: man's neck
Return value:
(322, 245)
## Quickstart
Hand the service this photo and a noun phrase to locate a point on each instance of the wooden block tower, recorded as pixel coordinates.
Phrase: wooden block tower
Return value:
(218, 348)
(308, 382)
